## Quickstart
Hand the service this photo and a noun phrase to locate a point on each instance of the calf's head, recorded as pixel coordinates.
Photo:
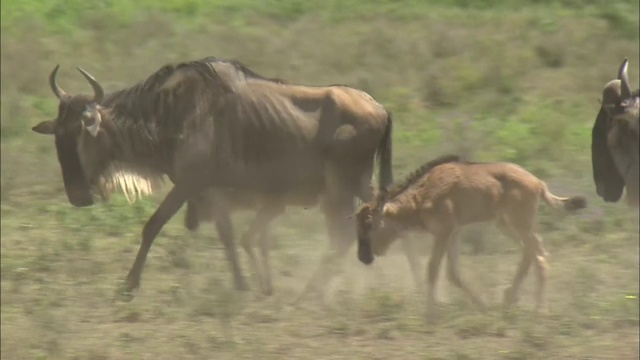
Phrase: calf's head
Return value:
(376, 230)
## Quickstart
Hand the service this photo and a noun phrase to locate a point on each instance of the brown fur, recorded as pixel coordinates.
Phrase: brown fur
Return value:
(448, 194)
(615, 138)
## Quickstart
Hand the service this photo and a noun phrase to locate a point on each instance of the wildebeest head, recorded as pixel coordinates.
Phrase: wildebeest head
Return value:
(615, 139)
(375, 230)
(618, 100)
(81, 145)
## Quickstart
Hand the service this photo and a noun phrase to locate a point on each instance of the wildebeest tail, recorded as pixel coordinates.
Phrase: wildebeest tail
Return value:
(384, 154)
(571, 203)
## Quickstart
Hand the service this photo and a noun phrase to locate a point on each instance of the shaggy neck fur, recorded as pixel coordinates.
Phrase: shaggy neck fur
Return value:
(133, 182)
(139, 153)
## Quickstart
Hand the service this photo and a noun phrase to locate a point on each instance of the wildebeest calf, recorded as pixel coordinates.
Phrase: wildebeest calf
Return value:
(447, 193)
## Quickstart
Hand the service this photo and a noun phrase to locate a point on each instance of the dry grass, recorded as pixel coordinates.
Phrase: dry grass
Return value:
(522, 85)
(57, 291)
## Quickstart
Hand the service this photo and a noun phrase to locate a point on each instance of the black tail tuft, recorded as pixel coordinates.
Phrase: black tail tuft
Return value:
(575, 203)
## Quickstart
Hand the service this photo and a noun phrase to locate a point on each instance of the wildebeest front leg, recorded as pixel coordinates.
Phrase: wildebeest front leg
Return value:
(414, 264)
(453, 269)
(437, 253)
(169, 206)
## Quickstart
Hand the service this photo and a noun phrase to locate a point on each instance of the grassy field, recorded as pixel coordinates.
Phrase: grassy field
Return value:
(517, 81)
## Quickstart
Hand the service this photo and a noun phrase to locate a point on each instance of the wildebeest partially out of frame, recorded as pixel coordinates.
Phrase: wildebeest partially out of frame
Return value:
(614, 146)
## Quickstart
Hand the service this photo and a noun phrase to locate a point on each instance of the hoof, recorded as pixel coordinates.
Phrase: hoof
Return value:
(242, 286)
(365, 257)
(433, 311)
(542, 310)
(307, 293)
(509, 297)
(432, 317)
(481, 307)
(267, 291)
(124, 293)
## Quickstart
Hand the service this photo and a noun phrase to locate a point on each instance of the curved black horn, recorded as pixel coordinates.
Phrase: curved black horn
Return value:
(98, 93)
(60, 94)
(625, 88)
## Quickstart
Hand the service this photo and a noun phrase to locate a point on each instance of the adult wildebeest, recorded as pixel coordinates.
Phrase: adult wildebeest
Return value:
(614, 145)
(446, 194)
(215, 123)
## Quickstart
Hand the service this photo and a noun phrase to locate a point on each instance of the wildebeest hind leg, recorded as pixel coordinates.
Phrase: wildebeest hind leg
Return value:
(225, 231)
(259, 229)
(528, 254)
(337, 209)
(265, 246)
(247, 244)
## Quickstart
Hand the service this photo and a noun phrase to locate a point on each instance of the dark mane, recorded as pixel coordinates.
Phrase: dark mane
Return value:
(399, 187)
(205, 67)
(151, 117)
(242, 68)
(153, 114)
(130, 101)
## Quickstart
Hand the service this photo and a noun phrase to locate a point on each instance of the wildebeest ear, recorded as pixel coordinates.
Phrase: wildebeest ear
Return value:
(45, 127)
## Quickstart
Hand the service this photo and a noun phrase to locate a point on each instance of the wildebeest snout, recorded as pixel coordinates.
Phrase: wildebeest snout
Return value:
(365, 255)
